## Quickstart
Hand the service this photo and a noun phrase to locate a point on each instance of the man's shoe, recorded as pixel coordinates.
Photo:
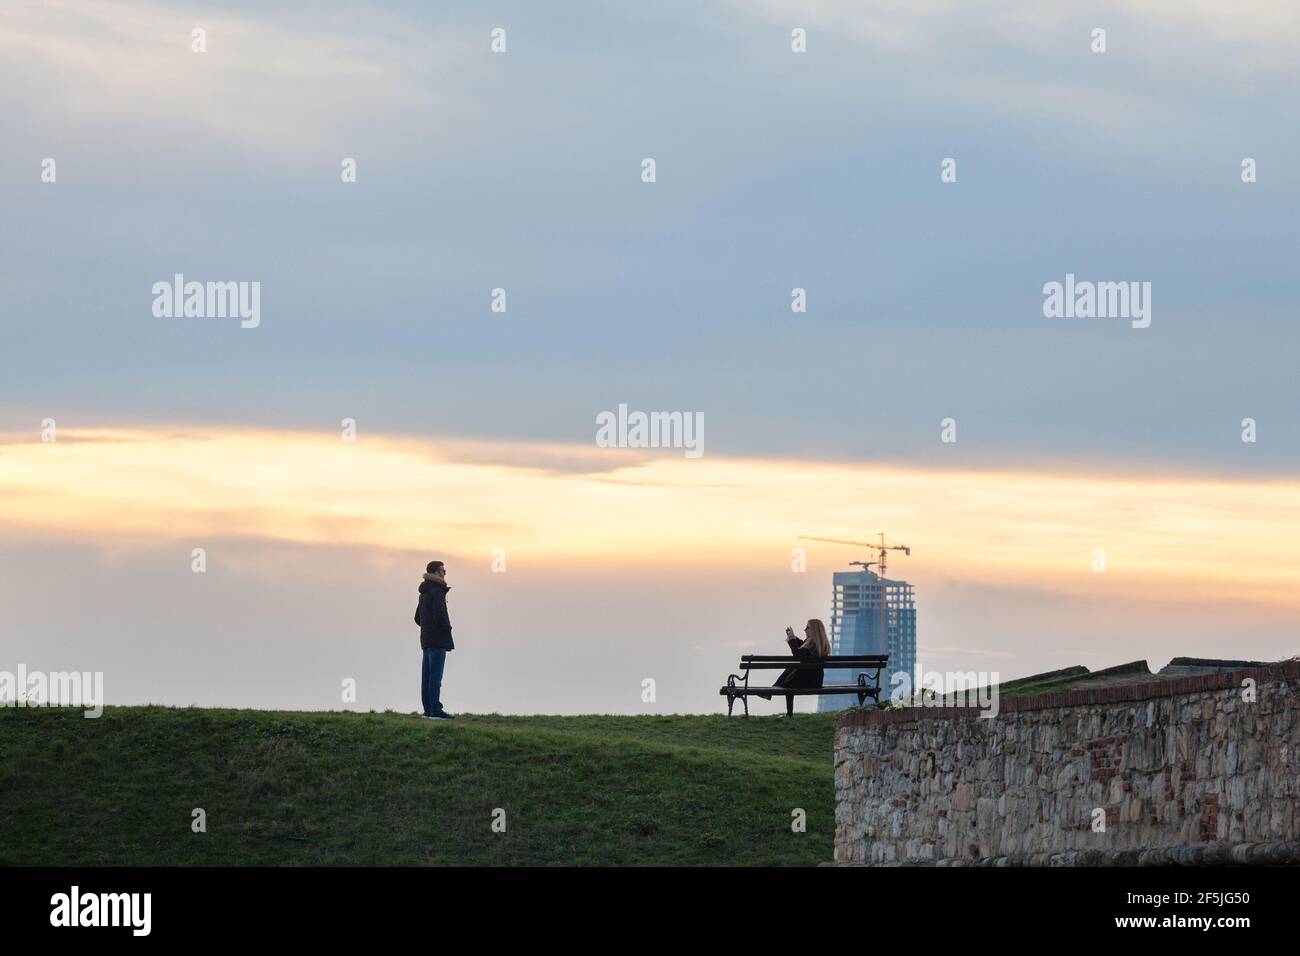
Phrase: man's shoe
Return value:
(426, 717)
(443, 715)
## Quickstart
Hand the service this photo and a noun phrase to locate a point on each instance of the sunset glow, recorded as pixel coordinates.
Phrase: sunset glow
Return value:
(1167, 537)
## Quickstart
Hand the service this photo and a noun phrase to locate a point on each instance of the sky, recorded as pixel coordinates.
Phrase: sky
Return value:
(476, 429)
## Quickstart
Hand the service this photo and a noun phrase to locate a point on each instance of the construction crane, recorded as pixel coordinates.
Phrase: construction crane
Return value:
(881, 548)
(882, 553)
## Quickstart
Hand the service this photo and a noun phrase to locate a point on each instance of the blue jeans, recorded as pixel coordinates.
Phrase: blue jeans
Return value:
(435, 660)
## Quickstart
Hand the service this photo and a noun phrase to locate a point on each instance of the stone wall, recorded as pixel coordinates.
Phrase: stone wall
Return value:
(1183, 763)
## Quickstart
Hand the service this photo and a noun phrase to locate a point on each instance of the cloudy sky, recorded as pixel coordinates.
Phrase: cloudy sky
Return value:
(522, 171)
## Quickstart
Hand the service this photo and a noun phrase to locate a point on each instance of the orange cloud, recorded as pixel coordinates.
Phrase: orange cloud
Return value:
(1165, 536)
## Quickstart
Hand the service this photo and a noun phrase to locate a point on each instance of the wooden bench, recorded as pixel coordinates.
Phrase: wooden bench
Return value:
(738, 688)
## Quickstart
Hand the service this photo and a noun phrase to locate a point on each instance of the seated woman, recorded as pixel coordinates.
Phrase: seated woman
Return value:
(815, 646)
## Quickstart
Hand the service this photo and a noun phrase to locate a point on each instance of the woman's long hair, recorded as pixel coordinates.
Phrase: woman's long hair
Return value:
(818, 641)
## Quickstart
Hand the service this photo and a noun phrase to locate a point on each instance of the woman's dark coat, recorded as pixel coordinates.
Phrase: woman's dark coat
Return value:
(791, 677)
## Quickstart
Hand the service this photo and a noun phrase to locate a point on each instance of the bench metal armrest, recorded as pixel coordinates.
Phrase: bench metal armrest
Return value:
(869, 688)
(734, 690)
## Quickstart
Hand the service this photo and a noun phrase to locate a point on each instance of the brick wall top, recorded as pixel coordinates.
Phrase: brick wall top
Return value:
(1122, 693)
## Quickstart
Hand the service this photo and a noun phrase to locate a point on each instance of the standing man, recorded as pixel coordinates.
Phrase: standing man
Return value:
(435, 638)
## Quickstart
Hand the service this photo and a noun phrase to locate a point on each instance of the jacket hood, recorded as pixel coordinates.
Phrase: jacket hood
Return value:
(433, 580)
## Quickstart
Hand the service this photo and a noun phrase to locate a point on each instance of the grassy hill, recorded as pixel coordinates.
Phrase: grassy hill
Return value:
(390, 789)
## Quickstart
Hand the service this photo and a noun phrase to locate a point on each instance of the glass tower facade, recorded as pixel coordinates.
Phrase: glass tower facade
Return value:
(870, 615)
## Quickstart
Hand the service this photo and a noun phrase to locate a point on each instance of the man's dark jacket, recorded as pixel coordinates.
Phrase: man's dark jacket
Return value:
(431, 615)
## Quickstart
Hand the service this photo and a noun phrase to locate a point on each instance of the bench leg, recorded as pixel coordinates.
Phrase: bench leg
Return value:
(789, 705)
(745, 701)
(731, 702)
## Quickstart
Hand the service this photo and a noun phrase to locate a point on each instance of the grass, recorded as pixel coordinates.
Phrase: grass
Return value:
(288, 788)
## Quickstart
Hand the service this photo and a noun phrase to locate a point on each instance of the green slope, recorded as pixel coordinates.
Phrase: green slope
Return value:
(390, 789)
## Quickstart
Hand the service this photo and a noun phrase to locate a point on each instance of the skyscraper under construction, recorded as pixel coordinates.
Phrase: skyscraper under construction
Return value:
(870, 615)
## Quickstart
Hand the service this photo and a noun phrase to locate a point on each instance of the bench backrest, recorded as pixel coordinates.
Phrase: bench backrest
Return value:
(768, 662)
(835, 660)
